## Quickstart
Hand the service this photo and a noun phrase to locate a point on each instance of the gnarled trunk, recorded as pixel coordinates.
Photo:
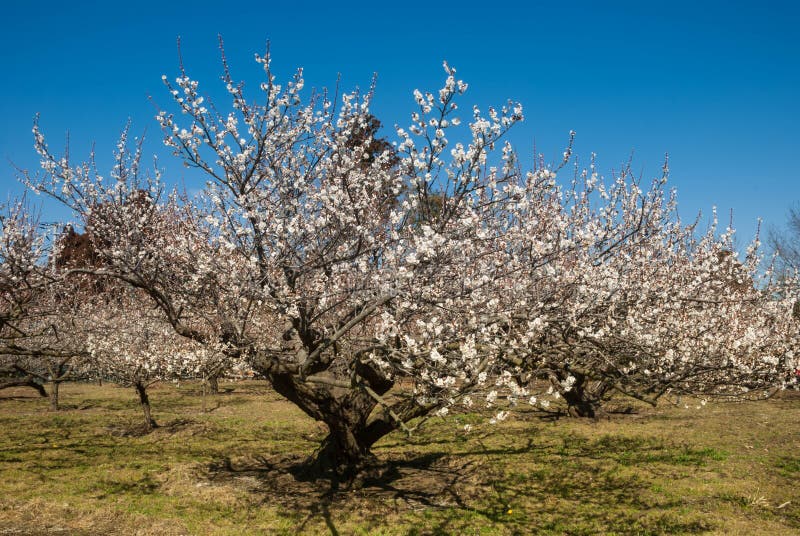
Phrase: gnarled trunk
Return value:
(586, 396)
(343, 453)
(580, 404)
(354, 417)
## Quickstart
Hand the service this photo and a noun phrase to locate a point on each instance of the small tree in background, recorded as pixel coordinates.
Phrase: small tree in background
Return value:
(136, 349)
(40, 337)
(785, 243)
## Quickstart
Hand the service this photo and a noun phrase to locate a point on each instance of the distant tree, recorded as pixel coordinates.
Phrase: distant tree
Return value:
(126, 343)
(667, 312)
(786, 242)
(135, 348)
(76, 250)
(39, 337)
(364, 137)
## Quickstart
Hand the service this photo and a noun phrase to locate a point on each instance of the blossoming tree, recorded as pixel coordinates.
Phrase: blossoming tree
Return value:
(340, 268)
(40, 338)
(647, 306)
(307, 255)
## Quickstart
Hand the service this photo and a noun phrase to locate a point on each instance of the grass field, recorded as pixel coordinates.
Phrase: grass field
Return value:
(726, 469)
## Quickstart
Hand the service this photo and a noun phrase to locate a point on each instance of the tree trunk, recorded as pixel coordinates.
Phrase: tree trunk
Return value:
(351, 406)
(581, 405)
(345, 452)
(342, 454)
(213, 385)
(354, 428)
(149, 422)
(54, 395)
(586, 397)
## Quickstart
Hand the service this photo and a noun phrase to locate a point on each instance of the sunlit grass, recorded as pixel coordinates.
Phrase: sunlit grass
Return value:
(725, 469)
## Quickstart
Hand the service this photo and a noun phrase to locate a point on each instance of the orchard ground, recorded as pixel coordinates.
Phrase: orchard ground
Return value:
(728, 468)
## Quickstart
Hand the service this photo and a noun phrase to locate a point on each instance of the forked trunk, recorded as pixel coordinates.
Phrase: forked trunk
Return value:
(354, 428)
(144, 401)
(345, 452)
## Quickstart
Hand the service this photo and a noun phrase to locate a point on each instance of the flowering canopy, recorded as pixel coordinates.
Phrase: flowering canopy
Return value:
(340, 268)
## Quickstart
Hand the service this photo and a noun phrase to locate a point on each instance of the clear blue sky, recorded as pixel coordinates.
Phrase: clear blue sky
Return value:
(715, 84)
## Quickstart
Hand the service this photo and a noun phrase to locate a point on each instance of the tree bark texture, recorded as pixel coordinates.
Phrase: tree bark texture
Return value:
(144, 401)
(54, 395)
(586, 397)
(354, 418)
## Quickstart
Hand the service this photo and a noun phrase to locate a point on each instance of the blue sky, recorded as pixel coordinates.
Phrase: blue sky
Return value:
(714, 84)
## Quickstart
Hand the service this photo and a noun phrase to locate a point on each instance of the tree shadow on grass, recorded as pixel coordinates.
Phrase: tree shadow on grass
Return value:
(137, 429)
(405, 482)
(533, 486)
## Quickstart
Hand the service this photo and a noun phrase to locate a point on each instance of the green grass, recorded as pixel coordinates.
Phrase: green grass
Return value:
(725, 469)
